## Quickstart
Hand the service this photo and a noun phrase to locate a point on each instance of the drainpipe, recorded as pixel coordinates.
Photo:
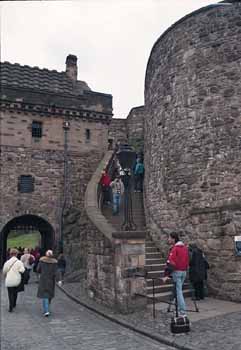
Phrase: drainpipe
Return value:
(66, 126)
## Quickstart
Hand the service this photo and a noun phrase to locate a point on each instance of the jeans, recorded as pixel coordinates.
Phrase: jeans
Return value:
(179, 278)
(116, 203)
(45, 302)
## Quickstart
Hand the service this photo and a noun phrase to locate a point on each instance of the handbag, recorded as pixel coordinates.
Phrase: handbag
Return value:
(20, 287)
(179, 323)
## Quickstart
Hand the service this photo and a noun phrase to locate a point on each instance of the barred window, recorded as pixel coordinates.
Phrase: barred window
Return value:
(26, 183)
(36, 129)
(87, 135)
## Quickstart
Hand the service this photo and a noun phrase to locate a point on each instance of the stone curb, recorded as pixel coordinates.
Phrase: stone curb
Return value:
(154, 336)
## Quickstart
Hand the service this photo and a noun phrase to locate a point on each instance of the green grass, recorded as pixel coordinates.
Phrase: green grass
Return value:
(28, 240)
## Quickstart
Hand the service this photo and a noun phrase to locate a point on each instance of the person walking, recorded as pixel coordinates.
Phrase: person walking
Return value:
(117, 190)
(37, 256)
(139, 175)
(12, 270)
(28, 261)
(47, 268)
(176, 268)
(105, 185)
(198, 270)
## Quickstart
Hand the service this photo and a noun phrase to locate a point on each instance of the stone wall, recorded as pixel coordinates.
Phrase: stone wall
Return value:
(135, 128)
(16, 131)
(43, 158)
(192, 138)
(118, 130)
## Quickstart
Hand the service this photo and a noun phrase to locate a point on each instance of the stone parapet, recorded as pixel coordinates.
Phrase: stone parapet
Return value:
(115, 263)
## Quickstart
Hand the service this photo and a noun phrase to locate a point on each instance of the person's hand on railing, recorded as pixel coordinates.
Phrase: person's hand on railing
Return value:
(165, 279)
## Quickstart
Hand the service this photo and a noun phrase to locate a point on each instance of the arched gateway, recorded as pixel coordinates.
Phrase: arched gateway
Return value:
(33, 222)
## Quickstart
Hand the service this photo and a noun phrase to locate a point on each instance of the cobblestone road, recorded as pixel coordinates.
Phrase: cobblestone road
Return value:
(70, 326)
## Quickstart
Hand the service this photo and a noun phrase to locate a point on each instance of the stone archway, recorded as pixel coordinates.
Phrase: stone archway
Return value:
(27, 221)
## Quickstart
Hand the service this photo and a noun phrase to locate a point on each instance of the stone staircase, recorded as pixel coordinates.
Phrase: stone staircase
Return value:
(155, 263)
(137, 210)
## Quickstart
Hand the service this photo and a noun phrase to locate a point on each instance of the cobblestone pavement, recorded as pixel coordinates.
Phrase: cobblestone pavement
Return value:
(70, 326)
(221, 332)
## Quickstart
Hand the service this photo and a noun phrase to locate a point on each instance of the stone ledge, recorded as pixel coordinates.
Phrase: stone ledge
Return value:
(91, 201)
(129, 235)
(232, 205)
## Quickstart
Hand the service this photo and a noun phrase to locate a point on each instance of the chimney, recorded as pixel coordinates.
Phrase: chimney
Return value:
(71, 67)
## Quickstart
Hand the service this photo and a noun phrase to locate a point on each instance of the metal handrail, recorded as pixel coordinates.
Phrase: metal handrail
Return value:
(163, 301)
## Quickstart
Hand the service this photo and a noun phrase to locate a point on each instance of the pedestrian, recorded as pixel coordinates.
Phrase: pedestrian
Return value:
(105, 185)
(176, 268)
(47, 268)
(117, 191)
(36, 255)
(198, 270)
(139, 175)
(61, 268)
(12, 269)
(28, 261)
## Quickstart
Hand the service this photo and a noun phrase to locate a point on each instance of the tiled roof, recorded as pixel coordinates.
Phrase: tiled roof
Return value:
(35, 78)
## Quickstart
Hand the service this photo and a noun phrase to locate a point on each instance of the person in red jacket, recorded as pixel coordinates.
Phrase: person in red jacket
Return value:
(176, 267)
(105, 184)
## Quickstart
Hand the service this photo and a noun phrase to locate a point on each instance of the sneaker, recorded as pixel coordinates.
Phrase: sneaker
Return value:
(47, 314)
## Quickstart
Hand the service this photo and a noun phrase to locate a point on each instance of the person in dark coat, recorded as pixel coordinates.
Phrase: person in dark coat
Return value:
(198, 270)
(47, 268)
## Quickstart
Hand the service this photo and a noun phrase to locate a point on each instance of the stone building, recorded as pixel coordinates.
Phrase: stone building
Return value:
(54, 132)
(130, 129)
(193, 138)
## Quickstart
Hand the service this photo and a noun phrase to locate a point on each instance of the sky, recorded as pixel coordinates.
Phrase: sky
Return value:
(111, 38)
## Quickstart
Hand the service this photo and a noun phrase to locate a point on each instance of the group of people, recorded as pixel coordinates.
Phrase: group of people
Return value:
(114, 189)
(17, 273)
(179, 261)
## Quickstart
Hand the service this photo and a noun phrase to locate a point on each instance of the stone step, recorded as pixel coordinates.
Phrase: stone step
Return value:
(153, 261)
(161, 287)
(155, 274)
(153, 255)
(151, 250)
(155, 267)
(150, 244)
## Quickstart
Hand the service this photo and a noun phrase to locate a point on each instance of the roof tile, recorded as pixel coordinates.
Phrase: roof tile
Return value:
(39, 79)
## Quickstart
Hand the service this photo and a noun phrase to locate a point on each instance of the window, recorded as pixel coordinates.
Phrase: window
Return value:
(87, 135)
(25, 184)
(36, 129)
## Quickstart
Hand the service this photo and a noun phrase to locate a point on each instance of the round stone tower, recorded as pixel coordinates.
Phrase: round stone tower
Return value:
(193, 138)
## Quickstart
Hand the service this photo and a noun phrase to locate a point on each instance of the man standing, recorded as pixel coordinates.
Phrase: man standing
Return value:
(117, 190)
(176, 267)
